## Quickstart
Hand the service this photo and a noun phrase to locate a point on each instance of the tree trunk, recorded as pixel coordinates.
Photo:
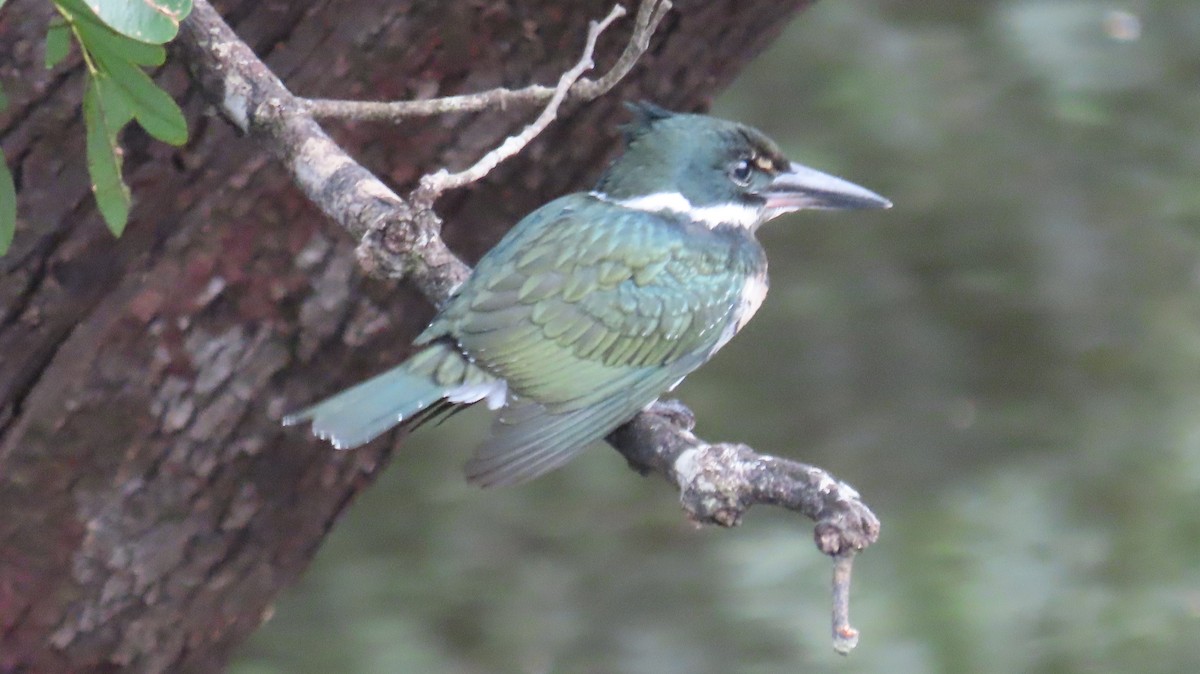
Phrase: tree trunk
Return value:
(151, 507)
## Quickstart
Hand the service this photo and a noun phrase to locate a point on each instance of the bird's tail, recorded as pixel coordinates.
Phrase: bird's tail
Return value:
(417, 388)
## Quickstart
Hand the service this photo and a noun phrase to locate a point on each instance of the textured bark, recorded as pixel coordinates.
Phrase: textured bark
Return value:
(152, 506)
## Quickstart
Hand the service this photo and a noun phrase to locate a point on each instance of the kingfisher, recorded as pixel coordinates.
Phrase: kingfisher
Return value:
(598, 302)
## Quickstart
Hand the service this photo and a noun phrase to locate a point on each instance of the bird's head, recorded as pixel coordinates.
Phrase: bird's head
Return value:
(718, 172)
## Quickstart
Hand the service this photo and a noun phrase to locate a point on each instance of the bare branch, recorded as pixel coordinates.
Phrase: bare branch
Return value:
(436, 183)
(254, 99)
(395, 111)
(719, 482)
(650, 15)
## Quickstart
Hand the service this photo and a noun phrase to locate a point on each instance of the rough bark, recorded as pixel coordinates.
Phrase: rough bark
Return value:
(152, 507)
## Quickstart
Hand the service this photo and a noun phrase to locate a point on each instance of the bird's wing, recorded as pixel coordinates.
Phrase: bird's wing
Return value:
(575, 307)
(528, 439)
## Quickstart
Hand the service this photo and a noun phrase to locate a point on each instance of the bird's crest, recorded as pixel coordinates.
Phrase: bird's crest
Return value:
(645, 114)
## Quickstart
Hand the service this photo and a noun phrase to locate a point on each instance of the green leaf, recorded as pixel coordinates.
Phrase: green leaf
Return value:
(58, 42)
(113, 102)
(153, 21)
(153, 108)
(104, 162)
(98, 36)
(8, 204)
(3, 97)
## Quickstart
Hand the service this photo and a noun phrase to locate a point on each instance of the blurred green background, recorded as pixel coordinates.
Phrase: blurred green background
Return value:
(1007, 365)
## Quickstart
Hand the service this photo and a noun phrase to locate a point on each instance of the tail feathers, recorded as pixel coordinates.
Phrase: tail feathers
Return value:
(415, 389)
(364, 412)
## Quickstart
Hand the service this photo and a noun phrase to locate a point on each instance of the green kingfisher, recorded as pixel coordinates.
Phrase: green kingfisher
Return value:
(598, 302)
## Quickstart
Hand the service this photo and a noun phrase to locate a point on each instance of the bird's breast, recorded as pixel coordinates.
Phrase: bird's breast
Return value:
(754, 291)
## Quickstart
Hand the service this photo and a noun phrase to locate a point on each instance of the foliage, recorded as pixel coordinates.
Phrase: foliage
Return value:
(117, 39)
(8, 205)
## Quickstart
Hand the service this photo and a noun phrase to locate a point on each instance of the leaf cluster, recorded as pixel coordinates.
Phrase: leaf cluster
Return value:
(117, 40)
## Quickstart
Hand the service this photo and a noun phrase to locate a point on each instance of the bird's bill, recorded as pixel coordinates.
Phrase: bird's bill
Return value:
(803, 188)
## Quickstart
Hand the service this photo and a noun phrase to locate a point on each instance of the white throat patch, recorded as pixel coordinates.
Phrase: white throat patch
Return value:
(737, 215)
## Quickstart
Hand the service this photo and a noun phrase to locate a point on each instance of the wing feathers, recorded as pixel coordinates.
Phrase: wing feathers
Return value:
(541, 441)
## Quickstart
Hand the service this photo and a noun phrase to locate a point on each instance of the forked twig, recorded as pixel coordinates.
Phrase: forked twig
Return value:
(650, 15)
(434, 184)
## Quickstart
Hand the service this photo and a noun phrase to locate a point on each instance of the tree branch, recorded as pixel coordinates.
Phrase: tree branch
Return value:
(650, 14)
(719, 482)
(255, 101)
(401, 238)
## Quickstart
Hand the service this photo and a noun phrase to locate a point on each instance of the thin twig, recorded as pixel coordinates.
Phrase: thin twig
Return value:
(845, 637)
(435, 184)
(650, 15)
(394, 111)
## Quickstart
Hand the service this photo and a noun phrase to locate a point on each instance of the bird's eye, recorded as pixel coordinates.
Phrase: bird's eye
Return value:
(741, 172)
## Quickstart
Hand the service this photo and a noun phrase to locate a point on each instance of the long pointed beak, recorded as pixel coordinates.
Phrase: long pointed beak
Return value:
(803, 188)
